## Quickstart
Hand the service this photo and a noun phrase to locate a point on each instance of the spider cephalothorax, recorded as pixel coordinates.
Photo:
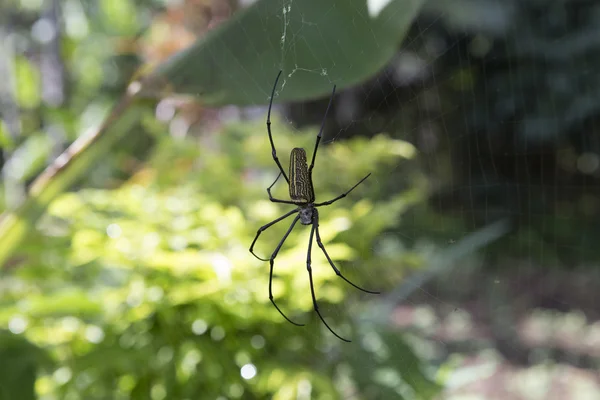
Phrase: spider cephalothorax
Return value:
(306, 214)
(302, 194)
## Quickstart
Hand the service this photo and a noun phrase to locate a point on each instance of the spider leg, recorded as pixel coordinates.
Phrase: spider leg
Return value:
(337, 271)
(264, 228)
(312, 287)
(274, 200)
(341, 196)
(273, 151)
(312, 163)
(271, 261)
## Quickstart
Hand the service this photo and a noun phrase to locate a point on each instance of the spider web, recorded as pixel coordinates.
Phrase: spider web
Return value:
(500, 104)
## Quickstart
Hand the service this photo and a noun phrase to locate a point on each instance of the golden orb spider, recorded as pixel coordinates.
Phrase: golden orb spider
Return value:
(302, 195)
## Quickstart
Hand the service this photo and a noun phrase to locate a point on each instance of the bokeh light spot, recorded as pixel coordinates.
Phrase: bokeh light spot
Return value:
(236, 390)
(17, 324)
(217, 333)
(248, 371)
(62, 375)
(113, 231)
(199, 326)
(257, 341)
(158, 392)
(94, 334)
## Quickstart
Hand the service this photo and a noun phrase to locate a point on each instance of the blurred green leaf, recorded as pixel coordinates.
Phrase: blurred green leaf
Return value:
(27, 83)
(312, 41)
(21, 361)
(390, 368)
(6, 141)
(30, 157)
(169, 298)
(120, 15)
(70, 302)
(60, 175)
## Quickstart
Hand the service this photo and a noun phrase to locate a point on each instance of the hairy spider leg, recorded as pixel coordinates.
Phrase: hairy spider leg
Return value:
(264, 228)
(335, 269)
(341, 196)
(312, 287)
(273, 151)
(271, 261)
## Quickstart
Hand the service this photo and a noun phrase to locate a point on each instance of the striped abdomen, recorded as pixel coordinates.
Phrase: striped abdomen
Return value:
(301, 190)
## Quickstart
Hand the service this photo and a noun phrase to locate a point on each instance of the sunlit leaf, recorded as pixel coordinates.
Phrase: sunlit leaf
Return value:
(120, 15)
(27, 78)
(71, 302)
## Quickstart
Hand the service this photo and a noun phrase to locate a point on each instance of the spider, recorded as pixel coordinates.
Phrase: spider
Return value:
(303, 196)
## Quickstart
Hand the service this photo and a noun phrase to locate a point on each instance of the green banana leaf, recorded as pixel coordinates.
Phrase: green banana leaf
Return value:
(316, 43)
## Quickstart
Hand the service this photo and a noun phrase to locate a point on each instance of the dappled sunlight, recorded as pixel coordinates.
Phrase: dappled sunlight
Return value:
(177, 255)
(167, 264)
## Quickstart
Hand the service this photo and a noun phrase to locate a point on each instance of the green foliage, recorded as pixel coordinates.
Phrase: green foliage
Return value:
(120, 16)
(236, 62)
(32, 155)
(149, 291)
(28, 81)
(18, 369)
(61, 91)
(350, 33)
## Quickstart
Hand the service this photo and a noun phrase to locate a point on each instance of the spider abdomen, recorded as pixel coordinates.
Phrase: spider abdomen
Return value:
(301, 189)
